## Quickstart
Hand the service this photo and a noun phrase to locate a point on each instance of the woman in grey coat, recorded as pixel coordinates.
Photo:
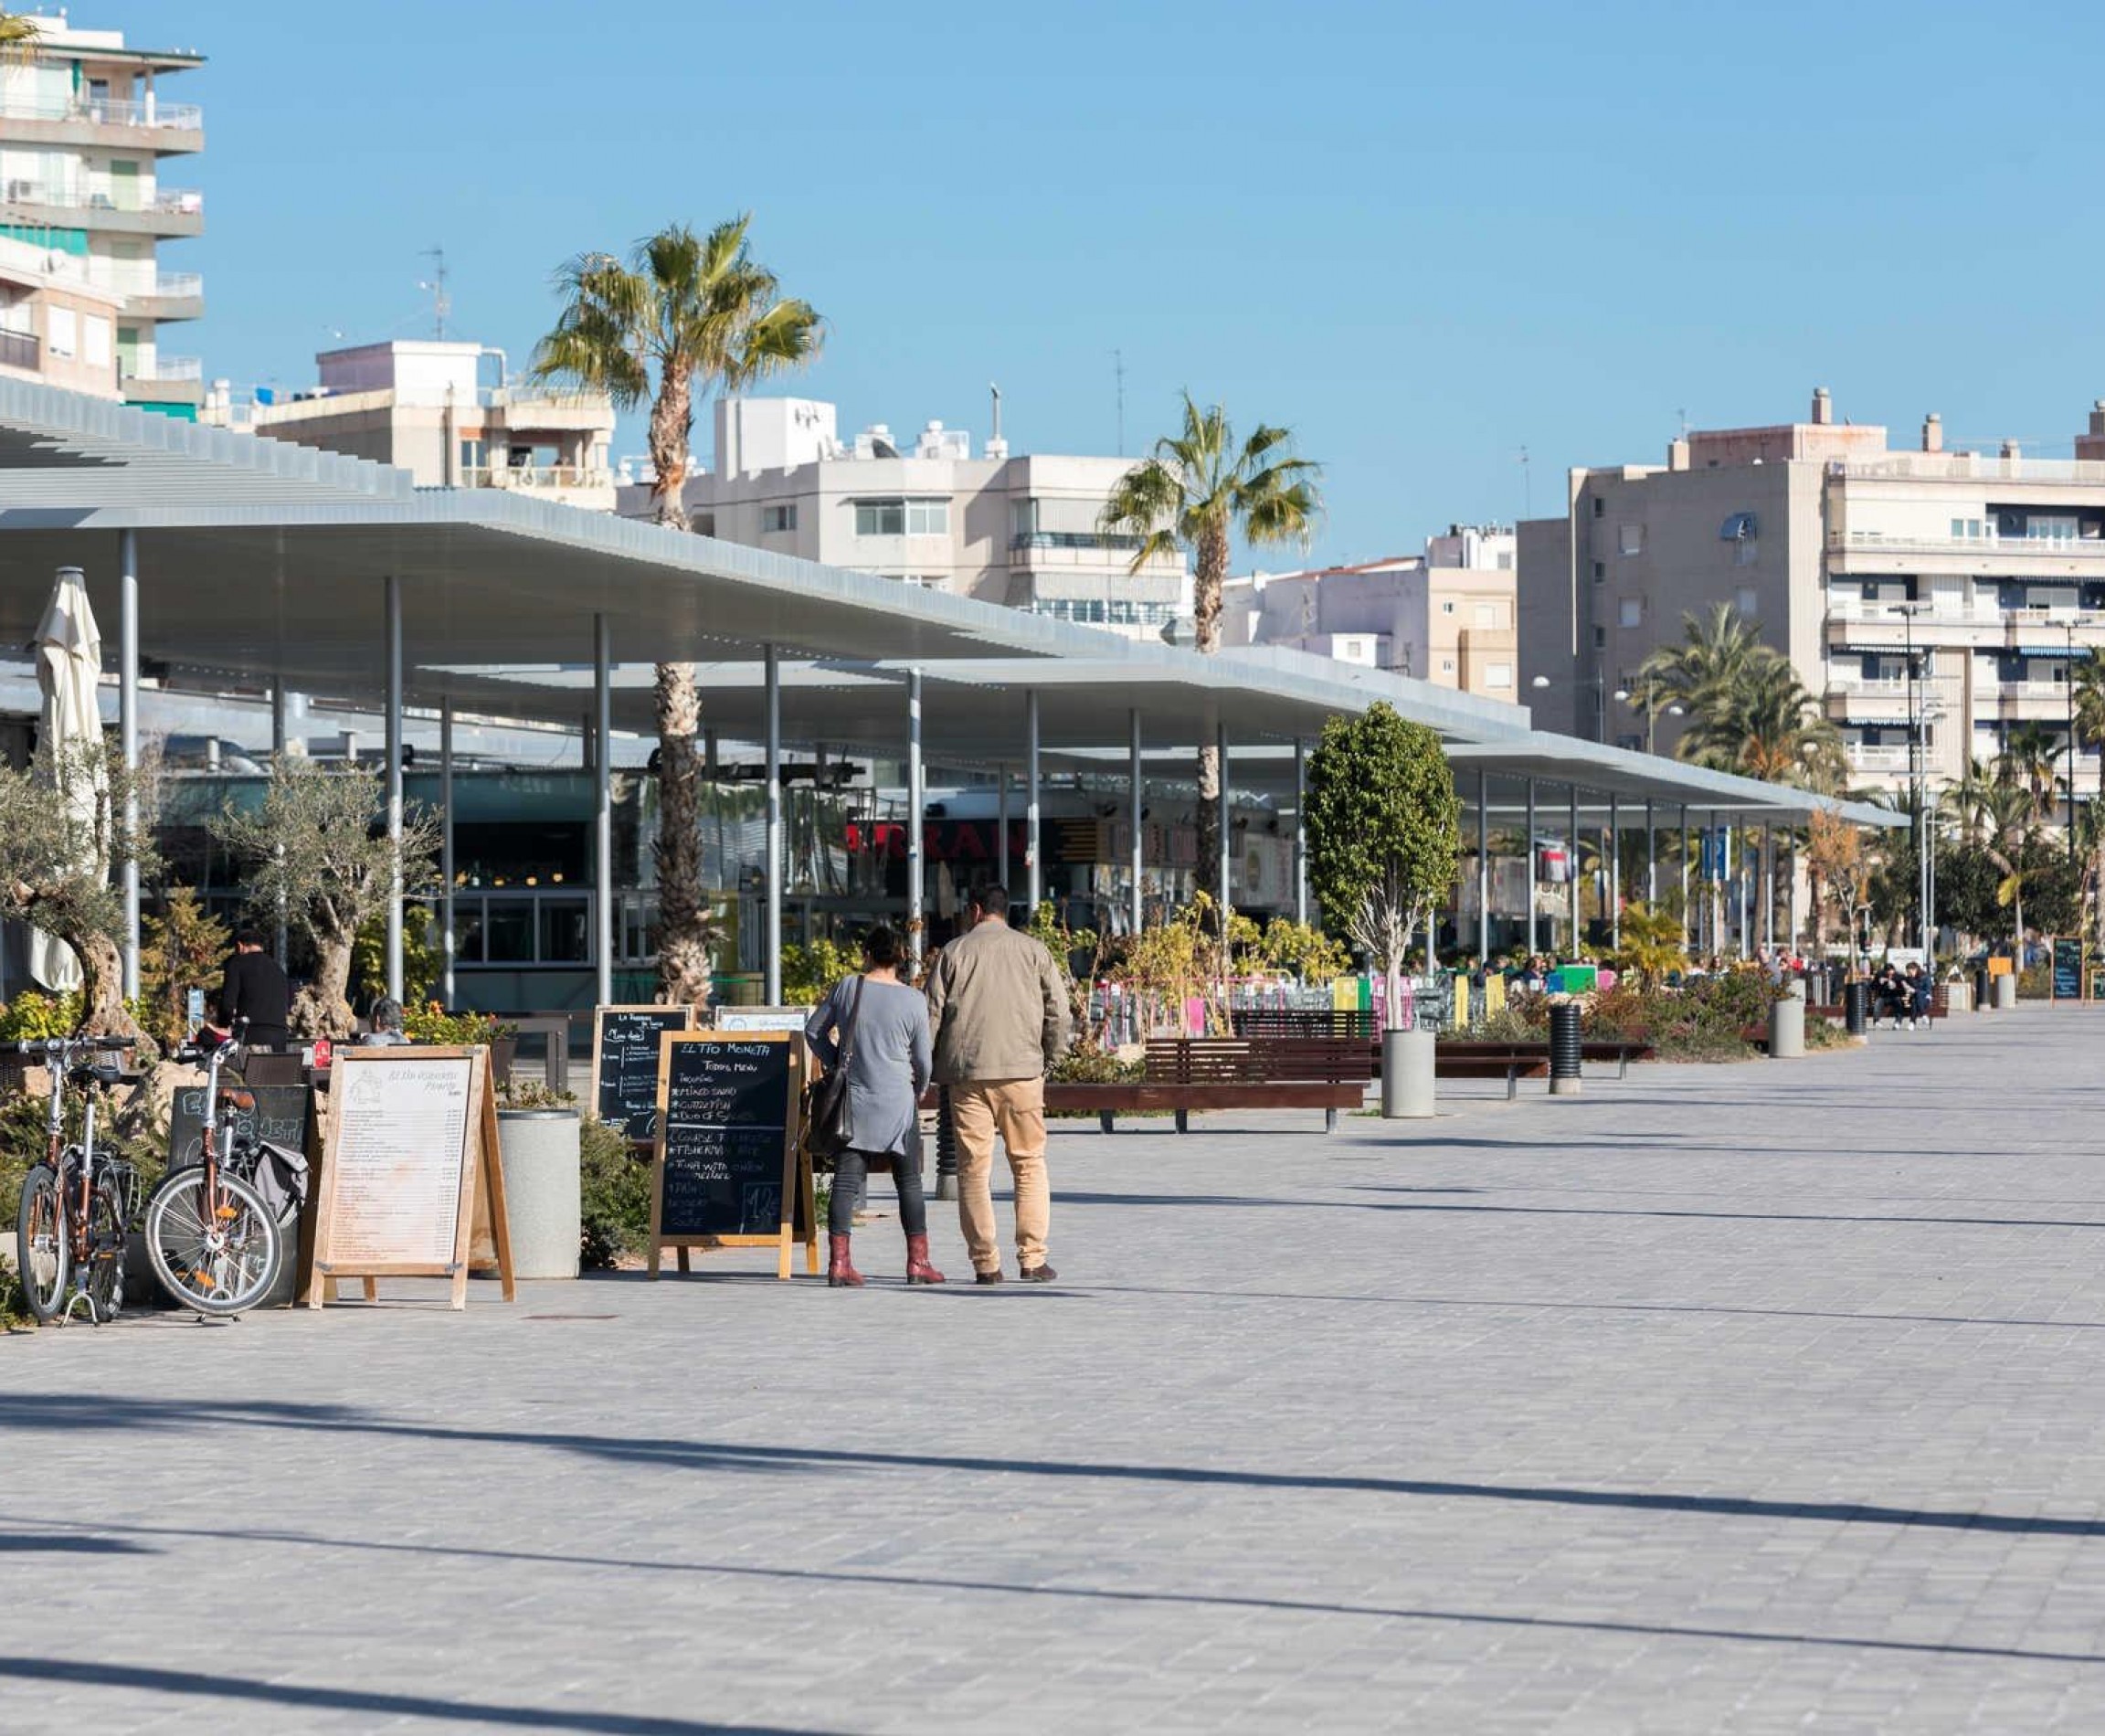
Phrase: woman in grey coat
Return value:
(887, 1072)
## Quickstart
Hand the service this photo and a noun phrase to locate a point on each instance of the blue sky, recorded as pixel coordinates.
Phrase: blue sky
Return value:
(1423, 237)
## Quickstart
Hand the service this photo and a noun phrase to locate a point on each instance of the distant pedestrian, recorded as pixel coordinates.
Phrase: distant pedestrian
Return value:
(999, 1012)
(888, 1064)
(255, 989)
(385, 1031)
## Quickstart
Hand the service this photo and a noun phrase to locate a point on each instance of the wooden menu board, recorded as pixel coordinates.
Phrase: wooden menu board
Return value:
(409, 1170)
(729, 1166)
(625, 1065)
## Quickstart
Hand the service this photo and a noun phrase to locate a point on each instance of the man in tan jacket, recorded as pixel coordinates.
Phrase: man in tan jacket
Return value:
(997, 1012)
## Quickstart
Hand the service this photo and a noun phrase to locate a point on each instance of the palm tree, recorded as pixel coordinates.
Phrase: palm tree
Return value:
(2013, 821)
(1969, 798)
(686, 314)
(1704, 674)
(2029, 751)
(1197, 490)
(19, 34)
(2090, 678)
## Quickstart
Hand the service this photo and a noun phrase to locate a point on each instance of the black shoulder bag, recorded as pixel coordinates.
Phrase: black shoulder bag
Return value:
(826, 1128)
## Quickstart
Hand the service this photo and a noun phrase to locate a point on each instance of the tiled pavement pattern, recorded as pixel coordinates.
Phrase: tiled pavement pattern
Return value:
(1757, 1398)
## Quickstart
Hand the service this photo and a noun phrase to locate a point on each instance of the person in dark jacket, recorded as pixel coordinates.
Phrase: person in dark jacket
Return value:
(255, 989)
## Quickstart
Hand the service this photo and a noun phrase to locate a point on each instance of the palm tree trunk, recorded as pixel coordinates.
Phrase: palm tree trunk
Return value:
(1210, 570)
(686, 931)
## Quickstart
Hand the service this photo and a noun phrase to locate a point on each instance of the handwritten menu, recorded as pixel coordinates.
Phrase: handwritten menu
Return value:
(624, 1063)
(2067, 969)
(280, 1118)
(398, 1158)
(727, 1134)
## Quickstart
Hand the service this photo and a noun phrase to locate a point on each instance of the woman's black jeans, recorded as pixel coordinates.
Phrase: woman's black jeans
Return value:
(852, 1175)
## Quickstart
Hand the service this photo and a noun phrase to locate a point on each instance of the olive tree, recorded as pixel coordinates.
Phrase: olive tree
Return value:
(1384, 834)
(316, 848)
(62, 836)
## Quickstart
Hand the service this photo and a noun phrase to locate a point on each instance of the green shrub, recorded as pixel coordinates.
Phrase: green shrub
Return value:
(432, 1023)
(614, 1183)
(32, 1014)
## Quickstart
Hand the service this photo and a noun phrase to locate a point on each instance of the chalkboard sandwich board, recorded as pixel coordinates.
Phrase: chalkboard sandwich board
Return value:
(729, 1168)
(410, 1171)
(625, 1065)
(2069, 977)
(283, 1115)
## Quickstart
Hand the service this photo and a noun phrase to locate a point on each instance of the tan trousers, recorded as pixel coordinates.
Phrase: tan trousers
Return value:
(1015, 1109)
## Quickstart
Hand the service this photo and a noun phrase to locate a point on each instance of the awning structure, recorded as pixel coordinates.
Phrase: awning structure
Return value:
(236, 562)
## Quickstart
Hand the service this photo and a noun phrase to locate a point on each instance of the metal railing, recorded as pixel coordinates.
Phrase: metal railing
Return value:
(106, 112)
(164, 201)
(175, 283)
(1872, 542)
(21, 349)
(1877, 759)
(534, 476)
(168, 368)
(182, 201)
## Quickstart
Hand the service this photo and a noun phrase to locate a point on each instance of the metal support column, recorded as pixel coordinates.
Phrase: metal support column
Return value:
(1483, 867)
(128, 738)
(1651, 858)
(1227, 811)
(917, 828)
(771, 967)
(1574, 864)
(1685, 937)
(1300, 831)
(1615, 873)
(1138, 780)
(1033, 856)
(1001, 826)
(603, 809)
(394, 787)
(445, 928)
(1533, 947)
(1769, 887)
(1790, 891)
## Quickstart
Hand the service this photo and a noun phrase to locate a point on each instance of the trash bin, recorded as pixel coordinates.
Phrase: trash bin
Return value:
(1564, 1050)
(1981, 1000)
(2006, 992)
(1787, 1024)
(1408, 1075)
(543, 1197)
(1856, 1006)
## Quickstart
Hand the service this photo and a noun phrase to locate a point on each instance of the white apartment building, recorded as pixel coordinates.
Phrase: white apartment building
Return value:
(445, 412)
(1989, 565)
(1018, 530)
(1446, 616)
(83, 210)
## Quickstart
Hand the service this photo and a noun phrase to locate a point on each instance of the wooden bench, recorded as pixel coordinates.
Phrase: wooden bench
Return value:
(1591, 1049)
(1107, 1100)
(1184, 1074)
(1512, 1067)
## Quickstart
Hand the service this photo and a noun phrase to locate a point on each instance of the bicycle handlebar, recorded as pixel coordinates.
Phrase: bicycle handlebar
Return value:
(59, 1045)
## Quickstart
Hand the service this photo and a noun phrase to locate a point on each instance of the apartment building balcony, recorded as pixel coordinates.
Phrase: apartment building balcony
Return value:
(175, 295)
(165, 211)
(1034, 551)
(1868, 552)
(2030, 702)
(166, 379)
(167, 129)
(564, 484)
(21, 353)
(1881, 758)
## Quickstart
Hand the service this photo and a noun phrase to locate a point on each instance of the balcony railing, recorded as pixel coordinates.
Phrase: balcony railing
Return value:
(1877, 759)
(182, 201)
(21, 349)
(170, 284)
(1984, 545)
(550, 476)
(164, 201)
(179, 117)
(166, 367)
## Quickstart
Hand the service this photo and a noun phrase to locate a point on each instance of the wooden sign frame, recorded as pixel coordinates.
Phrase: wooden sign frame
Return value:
(2082, 995)
(598, 1015)
(481, 1196)
(798, 1189)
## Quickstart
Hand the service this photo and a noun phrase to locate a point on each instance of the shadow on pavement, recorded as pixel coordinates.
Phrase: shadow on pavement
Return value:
(74, 1412)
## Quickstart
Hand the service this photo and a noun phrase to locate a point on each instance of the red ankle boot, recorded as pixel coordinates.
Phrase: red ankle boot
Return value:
(918, 1270)
(841, 1272)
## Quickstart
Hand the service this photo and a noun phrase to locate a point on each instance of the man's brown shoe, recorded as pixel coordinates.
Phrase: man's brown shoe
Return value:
(987, 1277)
(1035, 1275)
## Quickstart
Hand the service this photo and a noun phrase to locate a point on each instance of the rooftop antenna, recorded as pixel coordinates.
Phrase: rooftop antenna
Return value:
(441, 303)
(996, 391)
(1526, 486)
(1118, 369)
(1683, 414)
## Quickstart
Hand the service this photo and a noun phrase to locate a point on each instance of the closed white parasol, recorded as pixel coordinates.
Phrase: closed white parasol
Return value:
(68, 665)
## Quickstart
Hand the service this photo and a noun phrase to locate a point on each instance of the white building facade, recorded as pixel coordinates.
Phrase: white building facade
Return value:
(1446, 616)
(1019, 530)
(1989, 568)
(84, 132)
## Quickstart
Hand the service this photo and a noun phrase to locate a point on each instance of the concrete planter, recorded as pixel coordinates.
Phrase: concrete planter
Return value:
(1409, 1089)
(543, 1189)
(1787, 1025)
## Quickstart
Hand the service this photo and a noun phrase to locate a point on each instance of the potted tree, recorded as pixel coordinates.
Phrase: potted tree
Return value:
(1384, 846)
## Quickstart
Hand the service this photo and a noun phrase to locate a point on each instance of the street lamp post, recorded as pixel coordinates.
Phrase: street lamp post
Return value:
(1625, 695)
(1918, 758)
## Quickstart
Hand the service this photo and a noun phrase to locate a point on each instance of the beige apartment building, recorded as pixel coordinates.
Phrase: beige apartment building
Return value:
(445, 412)
(1446, 616)
(83, 209)
(1847, 552)
(1019, 530)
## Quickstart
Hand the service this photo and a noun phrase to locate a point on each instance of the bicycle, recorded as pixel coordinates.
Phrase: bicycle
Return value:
(75, 1202)
(213, 1240)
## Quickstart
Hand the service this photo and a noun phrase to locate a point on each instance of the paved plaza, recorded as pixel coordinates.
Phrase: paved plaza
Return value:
(1756, 1398)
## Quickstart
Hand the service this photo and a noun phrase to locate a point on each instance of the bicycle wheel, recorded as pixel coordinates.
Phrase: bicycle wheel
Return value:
(215, 1262)
(105, 1277)
(41, 1259)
